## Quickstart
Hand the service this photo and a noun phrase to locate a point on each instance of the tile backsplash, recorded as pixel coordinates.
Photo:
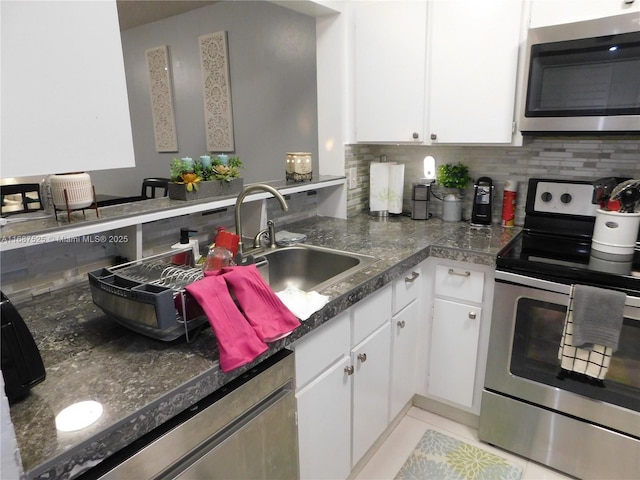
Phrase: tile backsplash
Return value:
(584, 157)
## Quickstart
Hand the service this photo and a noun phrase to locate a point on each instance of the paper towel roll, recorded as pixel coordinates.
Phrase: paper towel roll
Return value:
(386, 185)
(396, 186)
(379, 186)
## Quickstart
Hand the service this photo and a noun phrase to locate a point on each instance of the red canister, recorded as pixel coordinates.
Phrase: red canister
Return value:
(509, 203)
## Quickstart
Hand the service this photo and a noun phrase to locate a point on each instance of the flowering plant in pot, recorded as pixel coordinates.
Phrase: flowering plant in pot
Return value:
(205, 177)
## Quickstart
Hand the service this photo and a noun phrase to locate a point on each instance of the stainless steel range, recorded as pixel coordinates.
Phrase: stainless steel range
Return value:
(578, 424)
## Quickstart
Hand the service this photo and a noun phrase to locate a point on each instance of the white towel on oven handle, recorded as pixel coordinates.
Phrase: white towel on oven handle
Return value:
(593, 363)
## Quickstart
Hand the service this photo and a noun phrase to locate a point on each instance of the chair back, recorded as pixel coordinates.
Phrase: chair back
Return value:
(29, 203)
(151, 184)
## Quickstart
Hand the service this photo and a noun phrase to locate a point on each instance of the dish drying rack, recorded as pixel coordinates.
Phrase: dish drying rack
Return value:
(149, 296)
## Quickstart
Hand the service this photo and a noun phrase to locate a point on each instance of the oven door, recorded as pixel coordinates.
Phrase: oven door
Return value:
(527, 322)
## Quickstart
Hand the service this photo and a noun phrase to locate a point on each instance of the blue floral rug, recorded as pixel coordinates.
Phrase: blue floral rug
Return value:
(440, 457)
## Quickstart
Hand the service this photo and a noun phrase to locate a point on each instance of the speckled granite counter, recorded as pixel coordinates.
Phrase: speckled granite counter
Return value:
(143, 382)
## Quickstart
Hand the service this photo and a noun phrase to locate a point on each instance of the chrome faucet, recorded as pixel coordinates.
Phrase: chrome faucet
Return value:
(270, 231)
(246, 191)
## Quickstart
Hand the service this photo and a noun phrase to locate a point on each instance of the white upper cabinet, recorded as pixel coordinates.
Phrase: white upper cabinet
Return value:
(472, 65)
(436, 72)
(65, 106)
(390, 70)
(546, 12)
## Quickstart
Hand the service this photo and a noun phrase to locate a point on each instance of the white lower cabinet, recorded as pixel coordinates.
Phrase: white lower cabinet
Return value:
(457, 332)
(370, 390)
(342, 387)
(454, 349)
(405, 328)
(324, 424)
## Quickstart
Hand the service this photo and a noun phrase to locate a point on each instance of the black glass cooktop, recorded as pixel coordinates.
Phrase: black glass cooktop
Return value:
(569, 260)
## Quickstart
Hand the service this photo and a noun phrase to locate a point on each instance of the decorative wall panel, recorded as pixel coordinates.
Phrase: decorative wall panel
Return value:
(218, 115)
(164, 123)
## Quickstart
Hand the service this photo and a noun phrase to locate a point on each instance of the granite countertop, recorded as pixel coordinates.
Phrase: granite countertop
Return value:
(142, 382)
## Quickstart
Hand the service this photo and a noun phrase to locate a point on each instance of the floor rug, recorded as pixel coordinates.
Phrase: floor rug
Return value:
(440, 457)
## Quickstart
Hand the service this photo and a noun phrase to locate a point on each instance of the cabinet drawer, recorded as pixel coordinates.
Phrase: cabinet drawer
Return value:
(370, 314)
(405, 288)
(460, 283)
(320, 348)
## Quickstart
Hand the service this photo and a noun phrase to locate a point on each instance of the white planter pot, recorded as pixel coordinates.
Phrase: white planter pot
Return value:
(451, 208)
(615, 232)
(78, 187)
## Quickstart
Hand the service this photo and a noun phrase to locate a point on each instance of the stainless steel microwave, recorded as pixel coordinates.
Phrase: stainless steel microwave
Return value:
(583, 77)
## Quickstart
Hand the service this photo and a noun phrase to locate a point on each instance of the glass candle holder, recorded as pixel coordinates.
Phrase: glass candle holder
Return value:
(298, 167)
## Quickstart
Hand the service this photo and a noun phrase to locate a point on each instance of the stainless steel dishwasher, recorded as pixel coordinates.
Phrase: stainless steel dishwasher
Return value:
(246, 431)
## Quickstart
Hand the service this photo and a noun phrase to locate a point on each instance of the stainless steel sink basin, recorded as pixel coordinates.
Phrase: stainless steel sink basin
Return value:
(308, 267)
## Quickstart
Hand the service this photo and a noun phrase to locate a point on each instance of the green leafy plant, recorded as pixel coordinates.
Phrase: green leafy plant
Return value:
(453, 175)
(226, 173)
(191, 173)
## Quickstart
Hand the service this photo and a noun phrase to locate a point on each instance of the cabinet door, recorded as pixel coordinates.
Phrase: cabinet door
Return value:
(324, 424)
(454, 349)
(473, 60)
(404, 337)
(390, 70)
(546, 12)
(370, 390)
(80, 113)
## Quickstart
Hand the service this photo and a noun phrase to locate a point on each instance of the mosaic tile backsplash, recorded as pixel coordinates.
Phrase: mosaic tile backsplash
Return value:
(587, 158)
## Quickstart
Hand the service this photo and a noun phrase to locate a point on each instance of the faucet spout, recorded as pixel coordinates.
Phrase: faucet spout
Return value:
(246, 191)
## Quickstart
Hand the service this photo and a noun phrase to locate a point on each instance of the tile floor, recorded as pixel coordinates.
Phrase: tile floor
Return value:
(391, 455)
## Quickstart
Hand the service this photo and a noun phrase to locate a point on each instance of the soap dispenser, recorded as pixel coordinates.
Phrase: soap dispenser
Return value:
(185, 240)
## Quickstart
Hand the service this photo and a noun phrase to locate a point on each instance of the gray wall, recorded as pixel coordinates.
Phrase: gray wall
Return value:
(273, 86)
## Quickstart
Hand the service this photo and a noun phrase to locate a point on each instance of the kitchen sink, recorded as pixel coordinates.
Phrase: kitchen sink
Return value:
(308, 267)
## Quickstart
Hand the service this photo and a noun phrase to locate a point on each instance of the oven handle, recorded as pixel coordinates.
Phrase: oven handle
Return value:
(555, 287)
(533, 282)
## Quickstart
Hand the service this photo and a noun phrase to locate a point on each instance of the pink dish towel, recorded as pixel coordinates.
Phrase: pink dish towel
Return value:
(269, 317)
(237, 341)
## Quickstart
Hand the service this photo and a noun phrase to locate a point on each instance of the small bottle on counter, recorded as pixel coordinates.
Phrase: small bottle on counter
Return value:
(509, 203)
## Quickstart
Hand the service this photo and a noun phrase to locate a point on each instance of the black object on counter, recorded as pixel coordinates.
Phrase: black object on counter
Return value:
(22, 365)
(482, 202)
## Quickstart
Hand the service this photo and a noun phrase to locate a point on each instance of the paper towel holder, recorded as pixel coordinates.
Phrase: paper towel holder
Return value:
(386, 186)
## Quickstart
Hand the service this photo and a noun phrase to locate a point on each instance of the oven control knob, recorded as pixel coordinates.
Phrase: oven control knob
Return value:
(546, 197)
(566, 198)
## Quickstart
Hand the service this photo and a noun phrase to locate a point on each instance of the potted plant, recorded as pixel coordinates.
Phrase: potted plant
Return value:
(453, 176)
(205, 177)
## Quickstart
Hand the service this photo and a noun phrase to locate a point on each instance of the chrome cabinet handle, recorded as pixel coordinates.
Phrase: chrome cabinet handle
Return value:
(433, 136)
(415, 135)
(362, 357)
(414, 276)
(462, 274)
(348, 370)
(401, 323)
(472, 315)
